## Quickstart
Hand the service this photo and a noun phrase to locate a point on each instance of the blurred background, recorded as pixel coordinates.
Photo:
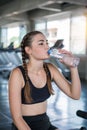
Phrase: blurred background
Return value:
(57, 19)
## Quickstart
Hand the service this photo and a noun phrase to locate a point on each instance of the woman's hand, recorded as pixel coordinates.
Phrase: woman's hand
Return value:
(63, 51)
(68, 58)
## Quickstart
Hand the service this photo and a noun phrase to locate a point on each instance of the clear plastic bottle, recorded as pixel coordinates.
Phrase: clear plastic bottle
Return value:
(69, 60)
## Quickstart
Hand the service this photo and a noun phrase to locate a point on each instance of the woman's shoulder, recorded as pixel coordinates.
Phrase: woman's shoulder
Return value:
(15, 72)
(51, 66)
(16, 76)
(52, 69)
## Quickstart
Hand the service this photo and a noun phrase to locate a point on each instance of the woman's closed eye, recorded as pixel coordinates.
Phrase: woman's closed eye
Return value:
(41, 43)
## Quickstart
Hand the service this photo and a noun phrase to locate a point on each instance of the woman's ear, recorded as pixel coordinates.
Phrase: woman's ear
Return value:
(28, 50)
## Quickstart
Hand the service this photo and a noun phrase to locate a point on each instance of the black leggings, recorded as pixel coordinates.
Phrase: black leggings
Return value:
(38, 122)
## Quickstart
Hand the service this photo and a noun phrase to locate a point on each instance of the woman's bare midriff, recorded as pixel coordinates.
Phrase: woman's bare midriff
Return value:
(34, 109)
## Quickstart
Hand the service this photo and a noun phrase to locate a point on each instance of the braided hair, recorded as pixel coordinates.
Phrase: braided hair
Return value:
(27, 41)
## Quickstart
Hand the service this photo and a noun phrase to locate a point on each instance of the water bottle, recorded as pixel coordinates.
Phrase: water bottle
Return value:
(68, 60)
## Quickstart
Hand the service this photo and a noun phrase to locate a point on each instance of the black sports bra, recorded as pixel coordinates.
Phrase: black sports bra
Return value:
(38, 94)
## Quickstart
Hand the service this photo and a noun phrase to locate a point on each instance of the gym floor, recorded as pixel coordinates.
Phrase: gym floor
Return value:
(61, 109)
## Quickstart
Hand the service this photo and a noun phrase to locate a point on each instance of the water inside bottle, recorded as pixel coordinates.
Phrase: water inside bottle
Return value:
(68, 60)
(71, 60)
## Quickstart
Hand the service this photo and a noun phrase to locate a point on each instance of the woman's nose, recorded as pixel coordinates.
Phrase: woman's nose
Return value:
(46, 46)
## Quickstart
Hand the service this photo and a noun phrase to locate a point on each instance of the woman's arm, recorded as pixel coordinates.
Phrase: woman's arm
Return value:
(76, 84)
(71, 89)
(15, 86)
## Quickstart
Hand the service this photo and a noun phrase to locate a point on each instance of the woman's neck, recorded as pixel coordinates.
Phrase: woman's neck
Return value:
(35, 67)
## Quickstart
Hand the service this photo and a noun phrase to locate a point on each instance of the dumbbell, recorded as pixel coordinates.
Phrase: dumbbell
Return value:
(83, 128)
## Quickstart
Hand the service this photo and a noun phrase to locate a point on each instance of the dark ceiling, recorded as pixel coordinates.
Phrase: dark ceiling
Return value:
(4, 2)
(21, 10)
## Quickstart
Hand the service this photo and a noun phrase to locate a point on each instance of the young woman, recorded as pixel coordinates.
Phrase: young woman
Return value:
(30, 84)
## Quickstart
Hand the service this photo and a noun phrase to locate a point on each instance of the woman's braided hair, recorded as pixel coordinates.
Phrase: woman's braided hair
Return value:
(27, 41)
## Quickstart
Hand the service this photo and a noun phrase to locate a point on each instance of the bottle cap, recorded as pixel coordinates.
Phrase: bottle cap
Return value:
(49, 51)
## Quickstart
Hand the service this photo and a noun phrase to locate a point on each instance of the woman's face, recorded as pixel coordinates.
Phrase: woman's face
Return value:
(39, 47)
